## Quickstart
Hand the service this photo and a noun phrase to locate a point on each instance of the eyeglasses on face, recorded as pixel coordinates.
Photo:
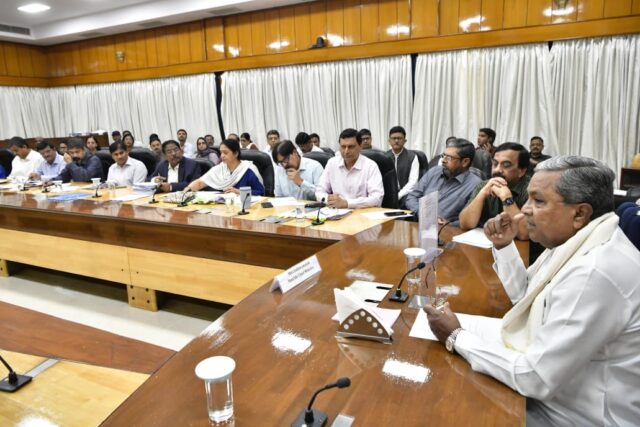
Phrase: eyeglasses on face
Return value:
(449, 158)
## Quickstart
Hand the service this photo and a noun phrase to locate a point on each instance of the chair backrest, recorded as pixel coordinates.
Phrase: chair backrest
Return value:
(482, 161)
(264, 163)
(434, 161)
(106, 160)
(630, 221)
(319, 157)
(205, 165)
(146, 156)
(6, 157)
(328, 151)
(389, 176)
(422, 160)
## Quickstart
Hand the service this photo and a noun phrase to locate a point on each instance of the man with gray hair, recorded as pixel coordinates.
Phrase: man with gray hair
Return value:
(571, 342)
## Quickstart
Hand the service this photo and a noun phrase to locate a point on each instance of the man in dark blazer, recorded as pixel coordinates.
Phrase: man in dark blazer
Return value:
(175, 172)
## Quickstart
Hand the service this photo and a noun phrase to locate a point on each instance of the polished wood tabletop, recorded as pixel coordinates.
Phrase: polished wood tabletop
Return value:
(285, 348)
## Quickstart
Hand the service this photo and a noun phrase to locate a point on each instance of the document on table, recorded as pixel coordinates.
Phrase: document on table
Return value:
(284, 201)
(488, 327)
(381, 215)
(131, 197)
(474, 237)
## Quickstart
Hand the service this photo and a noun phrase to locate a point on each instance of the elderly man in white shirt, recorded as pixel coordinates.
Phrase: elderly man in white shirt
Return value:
(126, 170)
(26, 160)
(571, 343)
(351, 180)
(295, 175)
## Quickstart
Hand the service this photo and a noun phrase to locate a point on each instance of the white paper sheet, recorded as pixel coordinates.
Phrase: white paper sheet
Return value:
(470, 322)
(474, 237)
(130, 197)
(284, 201)
(381, 215)
(618, 192)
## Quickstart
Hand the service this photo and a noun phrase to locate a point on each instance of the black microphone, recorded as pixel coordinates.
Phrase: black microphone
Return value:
(243, 211)
(398, 295)
(96, 195)
(14, 381)
(313, 418)
(317, 220)
(186, 198)
(441, 242)
(153, 196)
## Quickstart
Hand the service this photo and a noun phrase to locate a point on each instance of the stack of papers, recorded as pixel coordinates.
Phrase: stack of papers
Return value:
(474, 237)
(145, 187)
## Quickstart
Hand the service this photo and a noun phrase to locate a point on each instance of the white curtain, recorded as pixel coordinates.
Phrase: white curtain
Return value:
(159, 106)
(596, 89)
(506, 89)
(322, 98)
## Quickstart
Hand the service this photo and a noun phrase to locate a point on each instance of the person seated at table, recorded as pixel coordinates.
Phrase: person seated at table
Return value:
(570, 343)
(405, 161)
(303, 141)
(351, 180)
(245, 141)
(53, 162)
(206, 152)
(125, 170)
(453, 181)
(128, 140)
(62, 147)
(25, 160)
(231, 174)
(81, 165)
(92, 144)
(295, 176)
(176, 171)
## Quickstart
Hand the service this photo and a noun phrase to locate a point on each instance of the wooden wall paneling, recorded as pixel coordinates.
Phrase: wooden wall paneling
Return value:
(614, 8)
(231, 36)
(635, 7)
(387, 20)
(539, 12)
(11, 59)
(492, 14)
(258, 33)
(151, 47)
(141, 50)
(245, 43)
(24, 61)
(335, 22)
(214, 39)
(352, 22)
(404, 19)
(469, 16)
(272, 30)
(3, 64)
(424, 19)
(76, 59)
(515, 13)
(162, 46)
(590, 9)
(196, 41)
(83, 52)
(52, 61)
(302, 27)
(119, 43)
(173, 45)
(287, 29)
(449, 17)
(109, 48)
(370, 22)
(131, 57)
(318, 19)
(184, 44)
(569, 13)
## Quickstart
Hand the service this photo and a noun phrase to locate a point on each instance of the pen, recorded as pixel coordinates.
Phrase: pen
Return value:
(386, 288)
(372, 300)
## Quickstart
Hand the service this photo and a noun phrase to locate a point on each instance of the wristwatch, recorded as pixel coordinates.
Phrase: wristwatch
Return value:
(451, 340)
(508, 201)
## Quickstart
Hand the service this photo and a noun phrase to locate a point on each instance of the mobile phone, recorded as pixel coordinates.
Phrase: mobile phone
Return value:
(266, 205)
(394, 213)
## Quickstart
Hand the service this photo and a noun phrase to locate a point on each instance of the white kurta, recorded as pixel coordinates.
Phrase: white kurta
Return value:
(583, 366)
(25, 167)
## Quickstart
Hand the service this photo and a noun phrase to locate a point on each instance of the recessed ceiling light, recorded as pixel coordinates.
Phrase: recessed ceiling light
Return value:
(34, 8)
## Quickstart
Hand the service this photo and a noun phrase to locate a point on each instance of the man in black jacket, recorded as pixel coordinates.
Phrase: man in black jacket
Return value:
(176, 171)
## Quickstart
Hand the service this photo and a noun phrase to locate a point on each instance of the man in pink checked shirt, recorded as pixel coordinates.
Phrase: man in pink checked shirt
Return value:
(351, 180)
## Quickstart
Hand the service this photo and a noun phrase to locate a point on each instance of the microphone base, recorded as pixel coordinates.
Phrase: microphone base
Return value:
(96, 196)
(319, 419)
(316, 222)
(10, 388)
(243, 212)
(153, 202)
(399, 298)
(440, 242)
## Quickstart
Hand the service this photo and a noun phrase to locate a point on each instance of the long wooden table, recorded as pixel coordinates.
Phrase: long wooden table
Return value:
(274, 381)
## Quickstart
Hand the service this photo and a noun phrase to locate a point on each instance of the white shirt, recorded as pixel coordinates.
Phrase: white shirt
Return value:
(582, 368)
(317, 149)
(172, 173)
(361, 186)
(130, 173)
(310, 172)
(413, 175)
(189, 150)
(25, 167)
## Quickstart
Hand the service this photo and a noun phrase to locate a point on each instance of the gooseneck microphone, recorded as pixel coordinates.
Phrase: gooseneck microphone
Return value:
(186, 198)
(243, 211)
(317, 220)
(97, 194)
(441, 242)
(313, 418)
(14, 381)
(153, 196)
(398, 295)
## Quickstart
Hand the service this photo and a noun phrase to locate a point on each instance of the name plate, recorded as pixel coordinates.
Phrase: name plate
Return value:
(295, 275)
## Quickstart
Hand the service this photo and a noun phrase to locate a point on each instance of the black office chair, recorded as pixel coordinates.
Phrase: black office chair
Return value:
(483, 162)
(146, 156)
(389, 177)
(264, 163)
(205, 165)
(106, 160)
(423, 161)
(434, 161)
(6, 157)
(319, 157)
(328, 151)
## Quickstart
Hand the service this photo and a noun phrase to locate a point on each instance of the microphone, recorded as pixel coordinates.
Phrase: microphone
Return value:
(14, 381)
(441, 242)
(186, 198)
(398, 295)
(313, 418)
(153, 196)
(243, 211)
(96, 195)
(317, 220)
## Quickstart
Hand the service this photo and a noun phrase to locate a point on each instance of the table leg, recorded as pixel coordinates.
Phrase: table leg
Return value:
(142, 298)
(4, 268)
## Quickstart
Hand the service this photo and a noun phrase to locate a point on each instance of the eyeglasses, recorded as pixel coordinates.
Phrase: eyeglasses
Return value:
(449, 158)
(172, 151)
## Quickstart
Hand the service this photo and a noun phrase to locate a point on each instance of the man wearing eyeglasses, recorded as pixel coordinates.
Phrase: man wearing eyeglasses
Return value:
(453, 180)
(296, 176)
(175, 172)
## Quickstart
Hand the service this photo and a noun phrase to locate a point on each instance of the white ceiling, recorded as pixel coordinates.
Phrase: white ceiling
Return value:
(70, 20)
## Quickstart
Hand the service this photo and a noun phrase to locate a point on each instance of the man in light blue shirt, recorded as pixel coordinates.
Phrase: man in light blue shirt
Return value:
(53, 162)
(295, 176)
(453, 180)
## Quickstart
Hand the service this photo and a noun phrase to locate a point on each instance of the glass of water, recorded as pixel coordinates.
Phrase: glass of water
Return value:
(216, 372)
